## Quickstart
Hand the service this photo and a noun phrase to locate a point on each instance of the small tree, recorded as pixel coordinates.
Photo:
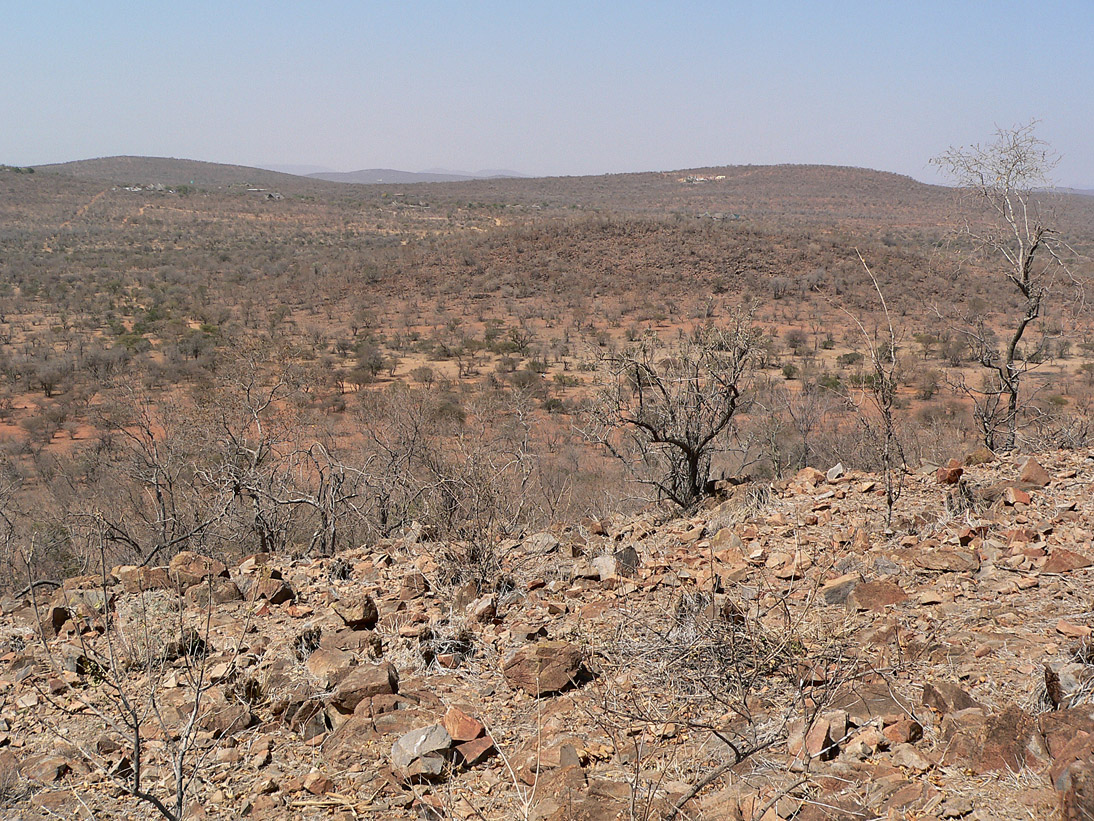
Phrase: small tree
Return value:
(663, 410)
(881, 391)
(1009, 225)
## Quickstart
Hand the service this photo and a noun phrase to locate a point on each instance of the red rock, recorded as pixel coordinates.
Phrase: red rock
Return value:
(544, 667)
(1019, 535)
(950, 473)
(474, 752)
(819, 742)
(961, 731)
(1016, 496)
(1061, 560)
(364, 682)
(188, 568)
(357, 612)
(905, 731)
(275, 591)
(1008, 741)
(414, 586)
(947, 697)
(318, 784)
(809, 476)
(461, 726)
(1076, 787)
(875, 596)
(1075, 631)
(1061, 727)
(1034, 474)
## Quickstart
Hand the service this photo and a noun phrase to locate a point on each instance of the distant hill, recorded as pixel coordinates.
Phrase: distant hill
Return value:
(387, 176)
(299, 170)
(171, 171)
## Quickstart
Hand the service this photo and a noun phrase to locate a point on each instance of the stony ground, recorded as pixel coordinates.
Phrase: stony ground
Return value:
(782, 654)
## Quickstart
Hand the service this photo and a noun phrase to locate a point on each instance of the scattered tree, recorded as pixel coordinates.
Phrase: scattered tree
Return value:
(664, 410)
(1009, 225)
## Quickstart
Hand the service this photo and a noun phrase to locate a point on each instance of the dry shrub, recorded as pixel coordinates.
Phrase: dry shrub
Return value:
(739, 664)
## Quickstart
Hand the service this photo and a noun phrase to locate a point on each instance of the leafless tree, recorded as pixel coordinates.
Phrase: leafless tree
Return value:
(132, 663)
(881, 391)
(663, 410)
(1009, 225)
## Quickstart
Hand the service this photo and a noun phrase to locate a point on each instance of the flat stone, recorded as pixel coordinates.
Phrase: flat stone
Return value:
(423, 741)
(906, 755)
(329, 665)
(1034, 474)
(45, 769)
(947, 697)
(461, 726)
(946, 561)
(869, 700)
(474, 752)
(350, 741)
(1062, 560)
(875, 596)
(138, 579)
(221, 591)
(364, 682)
(606, 568)
(836, 591)
(544, 667)
(275, 591)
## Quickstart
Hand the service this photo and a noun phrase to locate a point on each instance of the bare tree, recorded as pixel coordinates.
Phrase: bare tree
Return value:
(881, 390)
(1009, 225)
(663, 410)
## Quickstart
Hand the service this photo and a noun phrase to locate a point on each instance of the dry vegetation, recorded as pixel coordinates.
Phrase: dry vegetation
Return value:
(203, 364)
(396, 333)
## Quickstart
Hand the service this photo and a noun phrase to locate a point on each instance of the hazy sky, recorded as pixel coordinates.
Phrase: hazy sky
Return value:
(543, 87)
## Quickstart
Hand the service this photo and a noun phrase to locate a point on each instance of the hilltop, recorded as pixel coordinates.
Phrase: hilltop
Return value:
(780, 653)
(373, 176)
(173, 172)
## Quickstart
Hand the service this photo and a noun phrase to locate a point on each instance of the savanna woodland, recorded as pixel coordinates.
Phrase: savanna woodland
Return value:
(485, 499)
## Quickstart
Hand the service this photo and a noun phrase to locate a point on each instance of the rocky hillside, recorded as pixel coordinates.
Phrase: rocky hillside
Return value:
(782, 654)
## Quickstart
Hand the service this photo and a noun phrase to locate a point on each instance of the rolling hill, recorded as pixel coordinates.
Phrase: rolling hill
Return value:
(171, 171)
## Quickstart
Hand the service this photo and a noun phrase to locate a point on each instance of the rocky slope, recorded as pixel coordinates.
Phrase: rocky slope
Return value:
(781, 654)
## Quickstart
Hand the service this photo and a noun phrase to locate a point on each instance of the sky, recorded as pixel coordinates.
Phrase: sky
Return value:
(544, 88)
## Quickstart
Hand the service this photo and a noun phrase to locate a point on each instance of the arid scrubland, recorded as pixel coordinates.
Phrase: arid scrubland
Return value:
(272, 449)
